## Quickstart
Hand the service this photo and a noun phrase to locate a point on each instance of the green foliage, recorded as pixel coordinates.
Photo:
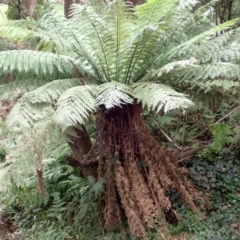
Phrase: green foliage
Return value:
(12, 13)
(222, 136)
(220, 184)
(122, 55)
(67, 210)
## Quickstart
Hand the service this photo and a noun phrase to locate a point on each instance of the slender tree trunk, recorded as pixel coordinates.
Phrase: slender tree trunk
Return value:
(67, 5)
(80, 143)
(138, 2)
(28, 8)
(39, 172)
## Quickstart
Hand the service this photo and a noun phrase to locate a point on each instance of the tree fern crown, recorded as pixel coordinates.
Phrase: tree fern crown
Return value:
(123, 55)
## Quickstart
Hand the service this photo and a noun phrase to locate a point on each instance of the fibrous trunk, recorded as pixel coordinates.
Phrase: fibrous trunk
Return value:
(138, 171)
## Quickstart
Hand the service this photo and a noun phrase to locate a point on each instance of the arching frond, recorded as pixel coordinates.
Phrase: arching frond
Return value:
(52, 91)
(180, 49)
(154, 10)
(173, 66)
(158, 96)
(25, 115)
(18, 30)
(217, 49)
(233, 87)
(205, 8)
(75, 105)
(17, 88)
(39, 62)
(219, 70)
(113, 94)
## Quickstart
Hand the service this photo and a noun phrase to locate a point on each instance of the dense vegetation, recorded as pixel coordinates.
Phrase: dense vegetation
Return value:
(121, 122)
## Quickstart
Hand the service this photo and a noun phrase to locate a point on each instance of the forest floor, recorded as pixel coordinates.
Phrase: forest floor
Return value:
(7, 231)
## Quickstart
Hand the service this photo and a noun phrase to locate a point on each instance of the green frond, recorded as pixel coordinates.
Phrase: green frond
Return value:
(206, 86)
(120, 30)
(108, 31)
(22, 159)
(158, 96)
(154, 10)
(39, 62)
(18, 30)
(25, 115)
(13, 90)
(180, 49)
(173, 66)
(219, 70)
(113, 94)
(75, 105)
(217, 49)
(205, 8)
(52, 91)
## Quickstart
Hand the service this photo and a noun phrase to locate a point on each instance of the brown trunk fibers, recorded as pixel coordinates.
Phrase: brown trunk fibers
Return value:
(138, 171)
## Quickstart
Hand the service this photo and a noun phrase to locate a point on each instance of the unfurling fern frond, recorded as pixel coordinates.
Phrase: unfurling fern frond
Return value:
(113, 94)
(75, 105)
(158, 96)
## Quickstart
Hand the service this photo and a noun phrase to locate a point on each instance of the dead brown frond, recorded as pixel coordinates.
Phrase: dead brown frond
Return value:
(139, 172)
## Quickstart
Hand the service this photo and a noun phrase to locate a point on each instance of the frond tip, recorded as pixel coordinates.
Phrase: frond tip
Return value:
(159, 96)
(114, 94)
(75, 105)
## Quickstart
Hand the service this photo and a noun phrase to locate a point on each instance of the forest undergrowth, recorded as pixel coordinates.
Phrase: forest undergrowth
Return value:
(43, 195)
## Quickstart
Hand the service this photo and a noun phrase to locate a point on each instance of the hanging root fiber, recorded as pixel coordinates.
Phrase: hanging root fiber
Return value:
(138, 172)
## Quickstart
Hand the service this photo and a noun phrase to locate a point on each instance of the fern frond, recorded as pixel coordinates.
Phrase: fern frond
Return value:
(173, 66)
(113, 94)
(19, 30)
(75, 105)
(17, 88)
(158, 96)
(180, 49)
(107, 33)
(220, 48)
(39, 62)
(205, 8)
(52, 91)
(154, 10)
(206, 86)
(219, 70)
(120, 31)
(25, 115)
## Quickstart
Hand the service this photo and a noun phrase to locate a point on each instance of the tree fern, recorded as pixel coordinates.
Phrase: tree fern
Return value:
(121, 51)
(127, 58)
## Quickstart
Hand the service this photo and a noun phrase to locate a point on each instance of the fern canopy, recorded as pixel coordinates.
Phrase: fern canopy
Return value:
(118, 50)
